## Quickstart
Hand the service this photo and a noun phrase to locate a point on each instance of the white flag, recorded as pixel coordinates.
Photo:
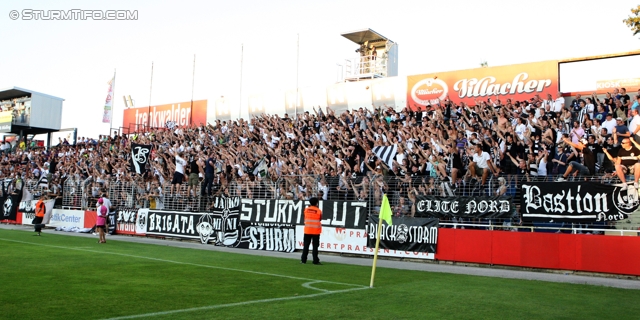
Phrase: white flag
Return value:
(108, 104)
(386, 154)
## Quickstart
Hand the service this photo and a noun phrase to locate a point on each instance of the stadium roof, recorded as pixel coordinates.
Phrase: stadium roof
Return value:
(360, 36)
(15, 92)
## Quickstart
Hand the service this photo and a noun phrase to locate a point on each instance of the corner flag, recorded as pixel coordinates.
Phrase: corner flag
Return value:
(385, 210)
(385, 214)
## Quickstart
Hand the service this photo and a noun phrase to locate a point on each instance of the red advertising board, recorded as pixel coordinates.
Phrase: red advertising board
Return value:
(516, 82)
(181, 114)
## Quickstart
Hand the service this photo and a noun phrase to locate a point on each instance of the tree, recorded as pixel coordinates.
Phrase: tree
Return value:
(633, 22)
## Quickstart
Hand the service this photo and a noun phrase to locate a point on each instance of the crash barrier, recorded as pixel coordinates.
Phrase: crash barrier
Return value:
(277, 225)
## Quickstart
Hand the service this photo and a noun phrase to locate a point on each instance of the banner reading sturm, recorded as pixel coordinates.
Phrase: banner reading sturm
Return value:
(406, 234)
(465, 207)
(582, 202)
(223, 226)
(342, 214)
(126, 220)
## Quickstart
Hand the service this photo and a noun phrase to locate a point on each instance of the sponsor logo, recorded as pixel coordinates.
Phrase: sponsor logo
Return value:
(65, 218)
(487, 86)
(618, 83)
(429, 91)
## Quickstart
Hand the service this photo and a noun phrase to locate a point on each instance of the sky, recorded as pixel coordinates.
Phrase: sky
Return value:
(247, 47)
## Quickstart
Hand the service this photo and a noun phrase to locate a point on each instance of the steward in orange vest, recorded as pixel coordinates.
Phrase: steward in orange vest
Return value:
(312, 230)
(40, 211)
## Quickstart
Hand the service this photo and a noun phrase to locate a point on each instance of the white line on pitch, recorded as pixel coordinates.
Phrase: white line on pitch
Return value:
(186, 263)
(235, 304)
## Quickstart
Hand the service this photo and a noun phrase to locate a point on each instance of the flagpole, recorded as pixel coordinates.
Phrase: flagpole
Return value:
(193, 80)
(241, 65)
(297, 74)
(113, 102)
(375, 254)
(385, 214)
(150, 89)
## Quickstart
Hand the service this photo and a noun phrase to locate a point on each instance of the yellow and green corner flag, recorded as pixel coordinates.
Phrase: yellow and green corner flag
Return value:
(385, 210)
(385, 214)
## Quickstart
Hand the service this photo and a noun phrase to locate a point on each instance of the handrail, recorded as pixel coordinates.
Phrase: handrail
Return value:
(574, 230)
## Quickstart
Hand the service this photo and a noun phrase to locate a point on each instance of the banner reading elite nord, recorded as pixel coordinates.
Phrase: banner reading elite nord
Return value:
(406, 234)
(464, 207)
(516, 82)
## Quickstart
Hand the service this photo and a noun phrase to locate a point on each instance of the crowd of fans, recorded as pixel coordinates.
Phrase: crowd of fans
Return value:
(447, 149)
(20, 108)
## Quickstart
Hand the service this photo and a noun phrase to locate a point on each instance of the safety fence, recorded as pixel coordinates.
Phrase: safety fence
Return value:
(403, 194)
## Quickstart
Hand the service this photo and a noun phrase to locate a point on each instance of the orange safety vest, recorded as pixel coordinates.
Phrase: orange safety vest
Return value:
(40, 209)
(312, 217)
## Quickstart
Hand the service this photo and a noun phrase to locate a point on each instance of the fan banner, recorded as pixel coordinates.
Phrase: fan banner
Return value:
(406, 234)
(464, 207)
(579, 202)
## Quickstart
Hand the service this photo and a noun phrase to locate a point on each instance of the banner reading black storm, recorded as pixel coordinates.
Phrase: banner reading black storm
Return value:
(582, 202)
(465, 207)
(406, 234)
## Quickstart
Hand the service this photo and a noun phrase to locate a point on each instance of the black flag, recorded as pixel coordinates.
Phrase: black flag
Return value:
(10, 206)
(140, 154)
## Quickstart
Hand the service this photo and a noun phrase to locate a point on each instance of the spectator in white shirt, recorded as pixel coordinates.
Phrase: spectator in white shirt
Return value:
(610, 123)
(481, 165)
(178, 175)
(558, 104)
(634, 125)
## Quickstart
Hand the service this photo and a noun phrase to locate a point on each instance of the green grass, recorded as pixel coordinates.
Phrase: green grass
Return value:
(63, 277)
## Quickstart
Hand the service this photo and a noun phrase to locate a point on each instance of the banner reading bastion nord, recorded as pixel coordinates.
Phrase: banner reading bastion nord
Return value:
(517, 82)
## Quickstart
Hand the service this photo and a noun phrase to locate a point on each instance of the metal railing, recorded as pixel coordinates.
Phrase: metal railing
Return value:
(83, 194)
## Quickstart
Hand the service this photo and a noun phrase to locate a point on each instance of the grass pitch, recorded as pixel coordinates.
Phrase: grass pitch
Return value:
(62, 277)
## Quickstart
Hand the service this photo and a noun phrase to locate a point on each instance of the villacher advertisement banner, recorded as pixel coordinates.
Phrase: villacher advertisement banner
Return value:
(579, 202)
(517, 82)
(465, 207)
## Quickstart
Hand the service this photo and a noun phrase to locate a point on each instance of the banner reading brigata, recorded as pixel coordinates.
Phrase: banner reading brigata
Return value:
(583, 202)
(181, 114)
(242, 223)
(465, 207)
(516, 82)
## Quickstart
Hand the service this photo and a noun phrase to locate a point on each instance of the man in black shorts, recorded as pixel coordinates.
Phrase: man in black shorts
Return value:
(627, 161)
(589, 166)
(178, 174)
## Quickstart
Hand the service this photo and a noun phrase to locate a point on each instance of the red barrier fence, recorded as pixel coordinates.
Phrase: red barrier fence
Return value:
(576, 252)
